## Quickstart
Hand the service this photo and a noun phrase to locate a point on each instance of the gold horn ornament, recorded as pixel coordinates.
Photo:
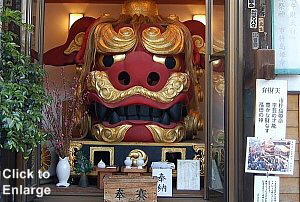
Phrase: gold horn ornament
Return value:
(106, 134)
(169, 42)
(140, 7)
(75, 44)
(109, 41)
(98, 81)
(167, 135)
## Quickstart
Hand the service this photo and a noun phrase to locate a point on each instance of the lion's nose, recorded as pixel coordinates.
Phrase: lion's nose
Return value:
(153, 78)
(124, 78)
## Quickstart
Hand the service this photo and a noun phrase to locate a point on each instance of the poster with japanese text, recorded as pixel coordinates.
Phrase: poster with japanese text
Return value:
(164, 183)
(270, 156)
(270, 109)
(266, 188)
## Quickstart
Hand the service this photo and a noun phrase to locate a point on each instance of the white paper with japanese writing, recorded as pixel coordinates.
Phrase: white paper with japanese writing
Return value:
(188, 174)
(164, 183)
(266, 189)
(270, 109)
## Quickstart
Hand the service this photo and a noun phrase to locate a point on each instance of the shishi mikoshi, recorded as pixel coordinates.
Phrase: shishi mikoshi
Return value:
(138, 73)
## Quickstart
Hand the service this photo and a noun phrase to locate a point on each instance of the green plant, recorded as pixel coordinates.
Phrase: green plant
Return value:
(82, 164)
(22, 95)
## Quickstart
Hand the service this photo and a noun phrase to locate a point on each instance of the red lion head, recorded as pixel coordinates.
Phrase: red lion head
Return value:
(137, 73)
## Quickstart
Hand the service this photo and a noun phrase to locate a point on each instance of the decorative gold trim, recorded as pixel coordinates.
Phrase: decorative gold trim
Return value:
(144, 144)
(164, 152)
(73, 145)
(219, 84)
(98, 81)
(75, 45)
(107, 40)
(140, 7)
(200, 155)
(137, 153)
(111, 151)
(167, 135)
(45, 158)
(169, 42)
(193, 123)
(199, 43)
(115, 134)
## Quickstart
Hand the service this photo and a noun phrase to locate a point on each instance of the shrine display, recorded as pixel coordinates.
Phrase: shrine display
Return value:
(139, 86)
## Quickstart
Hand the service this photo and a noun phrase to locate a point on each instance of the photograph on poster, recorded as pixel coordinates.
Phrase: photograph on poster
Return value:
(270, 156)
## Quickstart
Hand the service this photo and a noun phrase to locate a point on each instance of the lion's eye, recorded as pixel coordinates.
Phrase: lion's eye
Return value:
(170, 62)
(109, 60)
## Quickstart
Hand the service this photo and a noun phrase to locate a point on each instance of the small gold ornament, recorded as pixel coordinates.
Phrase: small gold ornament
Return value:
(140, 7)
(137, 153)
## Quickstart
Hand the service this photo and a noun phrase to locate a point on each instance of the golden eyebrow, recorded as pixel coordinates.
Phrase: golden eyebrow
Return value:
(169, 42)
(107, 40)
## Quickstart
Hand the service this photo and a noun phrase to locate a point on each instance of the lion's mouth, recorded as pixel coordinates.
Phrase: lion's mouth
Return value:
(175, 113)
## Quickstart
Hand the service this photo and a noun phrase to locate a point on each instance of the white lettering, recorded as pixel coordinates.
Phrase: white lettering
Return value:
(6, 189)
(38, 191)
(30, 174)
(47, 191)
(22, 175)
(6, 176)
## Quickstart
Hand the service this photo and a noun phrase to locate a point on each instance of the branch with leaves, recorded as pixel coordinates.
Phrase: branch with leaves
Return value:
(22, 95)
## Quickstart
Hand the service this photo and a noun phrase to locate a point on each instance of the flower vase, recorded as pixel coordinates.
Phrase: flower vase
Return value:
(83, 182)
(63, 172)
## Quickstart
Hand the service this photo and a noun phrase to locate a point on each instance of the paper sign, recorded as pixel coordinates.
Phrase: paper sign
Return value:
(188, 174)
(255, 40)
(270, 109)
(251, 3)
(270, 156)
(164, 183)
(253, 18)
(266, 189)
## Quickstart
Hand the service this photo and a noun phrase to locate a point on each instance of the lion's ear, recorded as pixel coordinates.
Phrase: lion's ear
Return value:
(197, 30)
(66, 53)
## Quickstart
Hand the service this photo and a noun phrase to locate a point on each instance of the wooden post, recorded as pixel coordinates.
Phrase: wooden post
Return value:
(265, 64)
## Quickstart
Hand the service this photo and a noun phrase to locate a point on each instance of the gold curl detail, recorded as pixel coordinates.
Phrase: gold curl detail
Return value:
(219, 84)
(169, 42)
(109, 41)
(167, 135)
(193, 123)
(199, 43)
(98, 81)
(106, 134)
(75, 44)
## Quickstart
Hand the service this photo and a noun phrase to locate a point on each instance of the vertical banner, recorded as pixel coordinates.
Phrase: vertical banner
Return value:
(270, 109)
(266, 189)
(164, 183)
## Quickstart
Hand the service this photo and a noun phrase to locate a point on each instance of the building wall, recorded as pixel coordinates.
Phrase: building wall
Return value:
(289, 184)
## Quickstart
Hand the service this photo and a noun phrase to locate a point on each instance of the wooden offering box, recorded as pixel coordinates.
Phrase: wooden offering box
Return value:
(130, 188)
